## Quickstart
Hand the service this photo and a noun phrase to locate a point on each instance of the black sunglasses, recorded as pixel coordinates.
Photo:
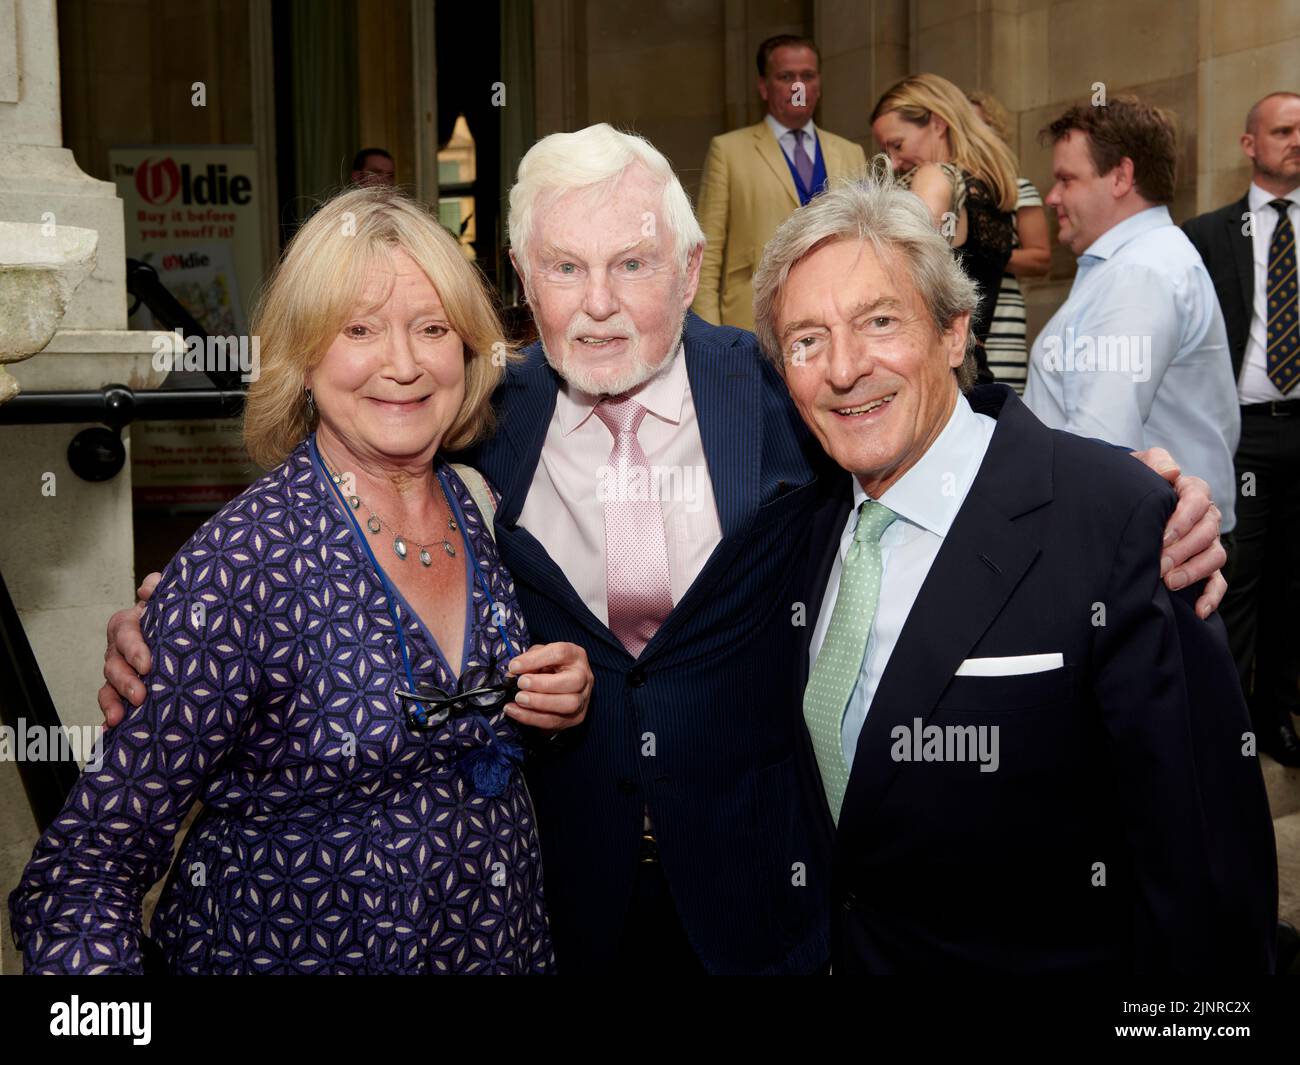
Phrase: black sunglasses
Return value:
(475, 693)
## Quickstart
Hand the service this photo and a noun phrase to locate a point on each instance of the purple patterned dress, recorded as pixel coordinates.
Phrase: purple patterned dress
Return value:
(333, 837)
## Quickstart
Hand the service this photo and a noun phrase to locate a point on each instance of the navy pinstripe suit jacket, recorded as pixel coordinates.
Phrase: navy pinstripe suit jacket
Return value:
(742, 827)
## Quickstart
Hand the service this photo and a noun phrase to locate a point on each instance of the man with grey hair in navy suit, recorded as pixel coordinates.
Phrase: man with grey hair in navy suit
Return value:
(1031, 749)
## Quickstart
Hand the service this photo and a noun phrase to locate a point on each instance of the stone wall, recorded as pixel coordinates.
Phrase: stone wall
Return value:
(1207, 60)
(682, 72)
(128, 65)
(1244, 51)
(864, 50)
(678, 73)
(65, 548)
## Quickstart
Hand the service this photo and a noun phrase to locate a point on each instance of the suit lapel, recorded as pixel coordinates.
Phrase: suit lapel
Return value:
(770, 152)
(982, 560)
(830, 157)
(1243, 254)
(526, 417)
(726, 388)
(837, 165)
(527, 558)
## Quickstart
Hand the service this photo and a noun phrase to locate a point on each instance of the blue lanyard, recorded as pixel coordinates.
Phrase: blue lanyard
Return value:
(389, 594)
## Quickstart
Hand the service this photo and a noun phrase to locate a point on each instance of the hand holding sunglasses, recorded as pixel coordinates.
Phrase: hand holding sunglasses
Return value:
(548, 687)
(477, 692)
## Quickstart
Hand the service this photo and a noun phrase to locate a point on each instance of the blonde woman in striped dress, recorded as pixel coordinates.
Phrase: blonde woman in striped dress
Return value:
(1031, 255)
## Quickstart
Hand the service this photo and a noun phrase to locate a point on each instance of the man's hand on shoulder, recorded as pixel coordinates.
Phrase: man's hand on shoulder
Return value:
(1191, 551)
(127, 659)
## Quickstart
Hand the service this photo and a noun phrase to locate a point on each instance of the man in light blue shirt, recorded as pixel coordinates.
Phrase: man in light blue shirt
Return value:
(1138, 354)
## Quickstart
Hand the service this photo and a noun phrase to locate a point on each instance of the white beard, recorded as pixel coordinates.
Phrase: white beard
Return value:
(636, 373)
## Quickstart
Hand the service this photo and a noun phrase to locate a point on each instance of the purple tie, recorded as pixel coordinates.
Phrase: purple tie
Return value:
(638, 585)
(802, 162)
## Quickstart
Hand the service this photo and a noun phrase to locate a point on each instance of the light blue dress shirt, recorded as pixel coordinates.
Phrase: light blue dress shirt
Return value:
(926, 500)
(1138, 355)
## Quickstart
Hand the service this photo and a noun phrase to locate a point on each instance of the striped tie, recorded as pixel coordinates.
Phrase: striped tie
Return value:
(638, 581)
(835, 673)
(1283, 359)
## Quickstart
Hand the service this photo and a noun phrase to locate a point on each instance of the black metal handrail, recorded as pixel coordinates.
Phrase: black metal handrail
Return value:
(142, 282)
(118, 406)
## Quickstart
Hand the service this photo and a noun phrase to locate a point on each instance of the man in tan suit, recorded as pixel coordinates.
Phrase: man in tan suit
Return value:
(755, 177)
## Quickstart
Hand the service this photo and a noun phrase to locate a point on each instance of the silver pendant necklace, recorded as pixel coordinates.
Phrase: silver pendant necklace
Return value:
(401, 544)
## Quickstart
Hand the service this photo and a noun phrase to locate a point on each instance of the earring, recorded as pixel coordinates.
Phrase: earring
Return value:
(311, 404)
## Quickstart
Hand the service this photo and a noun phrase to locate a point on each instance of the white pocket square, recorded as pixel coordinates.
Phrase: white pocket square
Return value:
(1012, 666)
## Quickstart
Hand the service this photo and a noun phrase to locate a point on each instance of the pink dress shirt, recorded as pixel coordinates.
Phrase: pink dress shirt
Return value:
(565, 508)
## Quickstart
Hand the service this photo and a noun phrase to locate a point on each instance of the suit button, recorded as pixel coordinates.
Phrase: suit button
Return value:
(849, 901)
(636, 677)
(626, 786)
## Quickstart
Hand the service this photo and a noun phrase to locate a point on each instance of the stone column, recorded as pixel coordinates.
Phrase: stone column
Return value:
(66, 545)
(864, 51)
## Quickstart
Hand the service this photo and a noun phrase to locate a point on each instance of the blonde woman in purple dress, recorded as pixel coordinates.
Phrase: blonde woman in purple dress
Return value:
(340, 670)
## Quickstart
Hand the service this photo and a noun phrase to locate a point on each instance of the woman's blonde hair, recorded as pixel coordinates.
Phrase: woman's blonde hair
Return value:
(317, 286)
(997, 116)
(975, 147)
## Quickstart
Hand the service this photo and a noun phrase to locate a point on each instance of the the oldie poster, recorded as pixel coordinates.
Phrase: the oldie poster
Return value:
(191, 212)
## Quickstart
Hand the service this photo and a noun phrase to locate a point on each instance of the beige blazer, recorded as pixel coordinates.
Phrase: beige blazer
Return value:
(746, 191)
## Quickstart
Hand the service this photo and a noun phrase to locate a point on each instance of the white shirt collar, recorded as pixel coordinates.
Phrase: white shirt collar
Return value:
(930, 494)
(779, 131)
(1257, 199)
(663, 396)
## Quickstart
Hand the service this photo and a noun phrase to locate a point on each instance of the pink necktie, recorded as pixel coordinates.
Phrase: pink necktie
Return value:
(638, 584)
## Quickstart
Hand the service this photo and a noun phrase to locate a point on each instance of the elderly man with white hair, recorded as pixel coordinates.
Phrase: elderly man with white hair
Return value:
(655, 484)
(1031, 748)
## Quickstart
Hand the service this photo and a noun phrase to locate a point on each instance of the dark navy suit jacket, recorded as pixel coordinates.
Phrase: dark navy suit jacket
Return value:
(1126, 764)
(1228, 251)
(716, 694)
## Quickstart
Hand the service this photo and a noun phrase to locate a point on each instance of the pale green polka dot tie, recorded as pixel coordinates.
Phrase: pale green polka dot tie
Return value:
(835, 673)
